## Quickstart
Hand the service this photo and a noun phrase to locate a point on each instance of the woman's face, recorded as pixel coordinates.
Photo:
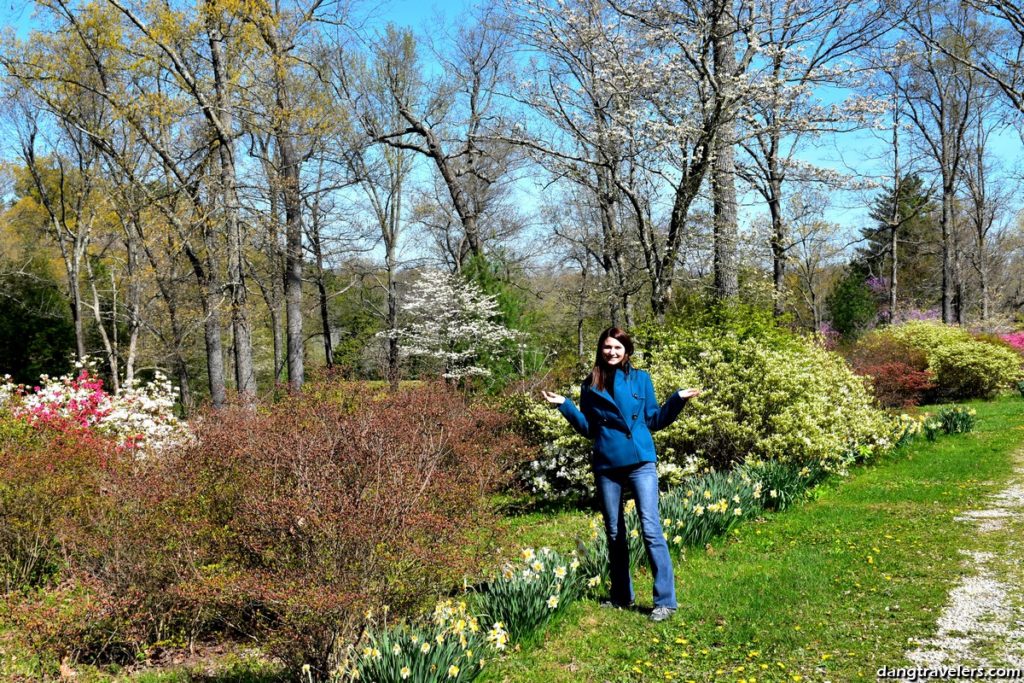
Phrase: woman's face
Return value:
(612, 351)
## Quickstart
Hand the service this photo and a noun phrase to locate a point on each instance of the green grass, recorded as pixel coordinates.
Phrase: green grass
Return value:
(830, 590)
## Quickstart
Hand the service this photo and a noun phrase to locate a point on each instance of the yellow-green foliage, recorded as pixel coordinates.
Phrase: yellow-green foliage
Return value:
(769, 396)
(773, 397)
(927, 335)
(962, 365)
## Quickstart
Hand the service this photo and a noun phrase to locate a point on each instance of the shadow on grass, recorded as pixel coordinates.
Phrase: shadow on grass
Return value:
(517, 504)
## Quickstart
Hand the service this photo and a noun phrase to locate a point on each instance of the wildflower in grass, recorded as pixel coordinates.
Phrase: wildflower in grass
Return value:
(440, 638)
(593, 581)
(707, 495)
(698, 510)
(405, 672)
(453, 671)
(574, 565)
(676, 540)
(634, 534)
(560, 572)
(537, 566)
(528, 554)
(553, 602)
(396, 649)
(737, 512)
(367, 651)
(425, 648)
(773, 494)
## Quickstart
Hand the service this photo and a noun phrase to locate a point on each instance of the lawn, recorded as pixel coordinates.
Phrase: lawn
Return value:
(830, 590)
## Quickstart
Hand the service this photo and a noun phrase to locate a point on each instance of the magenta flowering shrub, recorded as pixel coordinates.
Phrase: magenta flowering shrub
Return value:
(138, 417)
(1014, 339)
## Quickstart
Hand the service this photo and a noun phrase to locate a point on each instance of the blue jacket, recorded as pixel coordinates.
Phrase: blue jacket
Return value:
(621, 426)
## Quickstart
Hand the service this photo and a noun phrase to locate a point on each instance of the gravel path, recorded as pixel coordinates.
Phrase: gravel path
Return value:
(982, 624)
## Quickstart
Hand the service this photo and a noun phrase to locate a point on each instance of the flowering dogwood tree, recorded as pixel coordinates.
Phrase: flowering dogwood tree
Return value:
(452, 324)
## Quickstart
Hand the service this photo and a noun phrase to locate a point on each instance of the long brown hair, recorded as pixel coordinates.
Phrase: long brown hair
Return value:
(602, 374)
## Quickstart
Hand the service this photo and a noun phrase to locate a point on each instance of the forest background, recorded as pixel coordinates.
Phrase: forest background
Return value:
(241, 191)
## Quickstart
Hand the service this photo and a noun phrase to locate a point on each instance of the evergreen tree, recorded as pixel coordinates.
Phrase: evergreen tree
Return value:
(910, 213)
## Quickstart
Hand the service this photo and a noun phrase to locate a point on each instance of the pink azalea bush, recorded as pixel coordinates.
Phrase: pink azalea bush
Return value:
(138, 417)
(1014, 339)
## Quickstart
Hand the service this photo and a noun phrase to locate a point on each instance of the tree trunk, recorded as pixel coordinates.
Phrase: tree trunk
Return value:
(778, 245)
(245, 376)
(947, 253)
(723, 180)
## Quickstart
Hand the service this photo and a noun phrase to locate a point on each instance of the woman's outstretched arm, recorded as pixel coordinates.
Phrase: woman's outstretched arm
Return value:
(659, 417)
(569, 410)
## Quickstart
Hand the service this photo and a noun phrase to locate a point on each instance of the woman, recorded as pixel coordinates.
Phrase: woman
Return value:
(618, 411)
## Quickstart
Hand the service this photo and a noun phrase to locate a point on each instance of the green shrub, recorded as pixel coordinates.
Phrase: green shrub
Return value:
(851, 305)
(974, 369)
(962, 366)
(927, 335)
(769, 395)
(932, 429)
(957, 419)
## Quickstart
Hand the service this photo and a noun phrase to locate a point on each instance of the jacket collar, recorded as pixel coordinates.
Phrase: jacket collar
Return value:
(628, 372)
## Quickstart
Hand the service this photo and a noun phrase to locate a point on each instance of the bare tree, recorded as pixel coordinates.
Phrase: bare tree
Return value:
(938, 97)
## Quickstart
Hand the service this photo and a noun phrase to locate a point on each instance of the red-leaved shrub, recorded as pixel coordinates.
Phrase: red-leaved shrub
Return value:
(898, 373)
(283, 523)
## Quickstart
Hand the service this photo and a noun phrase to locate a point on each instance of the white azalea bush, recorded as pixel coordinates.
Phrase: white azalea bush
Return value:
(139, 417)
(769, 396)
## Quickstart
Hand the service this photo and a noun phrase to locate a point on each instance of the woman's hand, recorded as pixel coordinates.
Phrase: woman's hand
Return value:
(690, 393)
(553, 398)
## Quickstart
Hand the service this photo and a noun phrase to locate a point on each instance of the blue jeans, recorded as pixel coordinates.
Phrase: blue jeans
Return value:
(643, 480)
